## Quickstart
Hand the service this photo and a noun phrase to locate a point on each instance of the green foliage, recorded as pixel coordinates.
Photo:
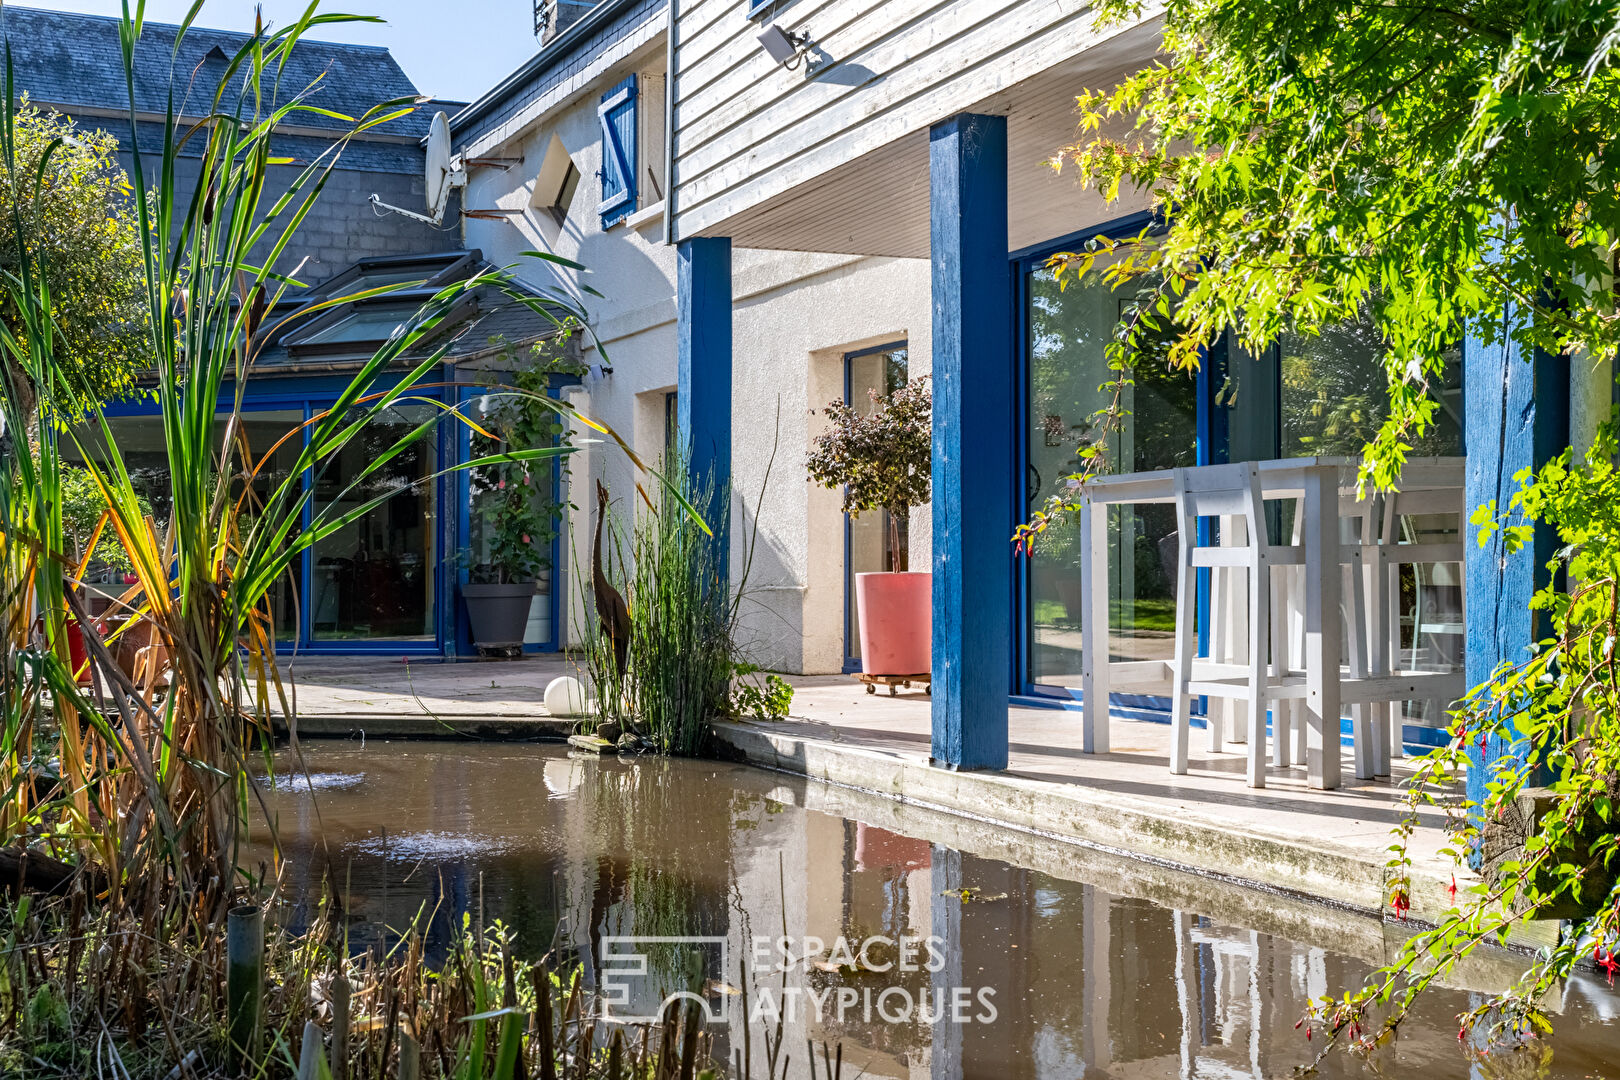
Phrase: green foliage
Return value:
(513, 500)
(82, 508)
(1440, 169)
(682, 623)
(1545, 831)
(1414, 175)
(759, 693)
(76, 225)
(881, 457)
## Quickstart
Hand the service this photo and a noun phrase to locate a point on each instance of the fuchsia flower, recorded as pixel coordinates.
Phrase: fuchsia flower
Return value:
(1401, 903)
(1606, 960)
(1451, 890)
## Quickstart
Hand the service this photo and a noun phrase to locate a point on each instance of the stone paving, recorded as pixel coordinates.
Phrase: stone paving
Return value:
(389, 695)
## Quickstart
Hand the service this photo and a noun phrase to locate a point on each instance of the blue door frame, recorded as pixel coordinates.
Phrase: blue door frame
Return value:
(310, 394)
(852, 663)
(461, 640)
(1212, 449)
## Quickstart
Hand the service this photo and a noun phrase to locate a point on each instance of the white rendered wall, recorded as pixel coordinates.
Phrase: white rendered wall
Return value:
(795, 315)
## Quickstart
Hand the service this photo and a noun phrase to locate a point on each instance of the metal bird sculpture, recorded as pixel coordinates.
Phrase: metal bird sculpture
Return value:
(611, 610)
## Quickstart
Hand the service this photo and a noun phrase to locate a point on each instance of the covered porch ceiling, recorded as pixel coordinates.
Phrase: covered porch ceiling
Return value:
(877, 204)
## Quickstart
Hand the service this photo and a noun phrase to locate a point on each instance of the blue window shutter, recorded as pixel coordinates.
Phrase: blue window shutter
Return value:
(617, 113)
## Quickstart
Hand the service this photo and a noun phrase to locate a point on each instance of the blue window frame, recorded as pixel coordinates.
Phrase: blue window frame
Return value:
(1210, 446)
(617, 114)
(304, 397)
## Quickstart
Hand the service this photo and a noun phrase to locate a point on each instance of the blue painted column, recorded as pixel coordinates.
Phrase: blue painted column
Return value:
(703, 360)
(974, 485)
(1516, 417)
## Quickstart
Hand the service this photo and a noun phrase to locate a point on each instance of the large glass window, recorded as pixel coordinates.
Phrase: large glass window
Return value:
(268, 438)
(1333, 397)
(542, 478)
(374, 578)
(1069, 330)
(879, 371)
(1335, 394)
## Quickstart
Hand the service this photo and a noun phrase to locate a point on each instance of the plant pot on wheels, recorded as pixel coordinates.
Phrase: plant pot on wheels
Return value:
(499, 614)
(896, 615)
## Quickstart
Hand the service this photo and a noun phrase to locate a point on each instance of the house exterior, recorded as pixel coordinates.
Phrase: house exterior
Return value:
(902, 132)
(574, 163)
(387, 583)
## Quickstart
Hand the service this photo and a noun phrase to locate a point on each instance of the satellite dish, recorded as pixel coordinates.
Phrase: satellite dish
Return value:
(443, 172)
(438, 165)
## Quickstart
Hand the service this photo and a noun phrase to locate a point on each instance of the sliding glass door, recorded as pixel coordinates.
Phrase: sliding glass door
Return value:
(1068, 330)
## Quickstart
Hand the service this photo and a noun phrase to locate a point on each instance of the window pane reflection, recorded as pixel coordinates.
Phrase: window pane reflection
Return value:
(373, 579)
(868, 534)
(1069, 330)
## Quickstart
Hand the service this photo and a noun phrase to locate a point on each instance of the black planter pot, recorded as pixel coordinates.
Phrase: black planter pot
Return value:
(499, 614)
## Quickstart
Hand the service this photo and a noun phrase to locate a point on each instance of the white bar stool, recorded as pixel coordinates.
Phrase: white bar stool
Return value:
(1261, 598)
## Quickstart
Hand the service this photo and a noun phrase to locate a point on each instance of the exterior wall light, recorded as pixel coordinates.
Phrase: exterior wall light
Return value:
(785, 47)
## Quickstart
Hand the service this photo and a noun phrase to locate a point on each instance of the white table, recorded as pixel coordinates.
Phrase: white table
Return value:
(1318, 482)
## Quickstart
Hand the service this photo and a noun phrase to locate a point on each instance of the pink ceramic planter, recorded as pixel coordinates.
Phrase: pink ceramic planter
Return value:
(897, 614)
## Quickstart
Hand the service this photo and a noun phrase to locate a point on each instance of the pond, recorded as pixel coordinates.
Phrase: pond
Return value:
(986, 953)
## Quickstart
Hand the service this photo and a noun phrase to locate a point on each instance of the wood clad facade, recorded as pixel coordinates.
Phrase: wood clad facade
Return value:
(746, 131)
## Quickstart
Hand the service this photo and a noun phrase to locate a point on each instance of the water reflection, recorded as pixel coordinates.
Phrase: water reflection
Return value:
(1084, 972)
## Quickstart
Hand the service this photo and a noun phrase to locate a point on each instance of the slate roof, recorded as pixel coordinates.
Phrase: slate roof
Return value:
(70, 60)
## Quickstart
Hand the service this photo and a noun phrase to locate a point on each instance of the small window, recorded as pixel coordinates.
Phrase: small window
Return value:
(556, 183)
(374, 324)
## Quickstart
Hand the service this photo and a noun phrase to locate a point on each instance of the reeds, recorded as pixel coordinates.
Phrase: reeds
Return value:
(485, 1014)
(682, 622)
(145, 801)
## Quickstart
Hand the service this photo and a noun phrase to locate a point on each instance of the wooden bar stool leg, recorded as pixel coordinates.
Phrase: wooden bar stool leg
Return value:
(1361, 726)
(1259, 621)
(1219, 628)
(1186, 646)
(1281, 712)
(1235, 533)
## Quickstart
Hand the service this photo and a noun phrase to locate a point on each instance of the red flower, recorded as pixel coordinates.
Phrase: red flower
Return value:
(1401, 903)
(1451, 889)
(1605, 960)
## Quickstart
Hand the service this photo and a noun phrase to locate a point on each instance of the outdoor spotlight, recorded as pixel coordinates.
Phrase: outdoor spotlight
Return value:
(784, 47)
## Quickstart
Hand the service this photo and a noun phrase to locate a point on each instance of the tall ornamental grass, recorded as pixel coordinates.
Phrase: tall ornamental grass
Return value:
(130, 809)
(677, 677)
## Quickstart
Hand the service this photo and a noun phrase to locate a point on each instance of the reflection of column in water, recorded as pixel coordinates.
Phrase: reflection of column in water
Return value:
(1186, 980)
(1256, 1013)
(1096, 976)
(946, 926)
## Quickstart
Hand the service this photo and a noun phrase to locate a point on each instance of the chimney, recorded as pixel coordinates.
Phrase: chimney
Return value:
(552, 17)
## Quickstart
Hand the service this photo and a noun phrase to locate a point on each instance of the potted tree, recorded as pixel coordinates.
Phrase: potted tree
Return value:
(515, 513)
(881, 460)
